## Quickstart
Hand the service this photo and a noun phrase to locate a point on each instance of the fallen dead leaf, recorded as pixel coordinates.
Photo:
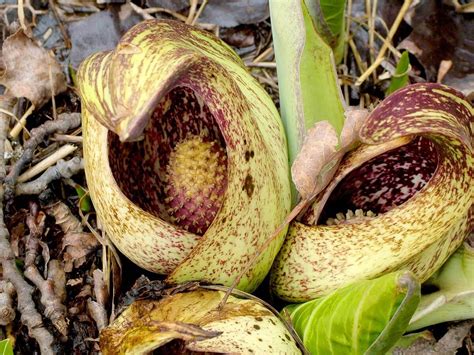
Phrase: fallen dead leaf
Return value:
(192, 321)
(321, 152)
(440, 34)
(30, 71)
(76, 247)
(57, 275)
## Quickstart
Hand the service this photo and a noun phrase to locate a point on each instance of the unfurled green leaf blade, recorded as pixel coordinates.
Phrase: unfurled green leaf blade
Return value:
(6, 347)
(400, 78)
(328, 16)
(309, 91)
(366, 317)
(454, 298)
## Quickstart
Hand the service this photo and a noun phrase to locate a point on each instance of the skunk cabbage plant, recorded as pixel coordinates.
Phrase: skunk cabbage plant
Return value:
(185, 154)
(401, 200)
(367, 317)
(191, 322)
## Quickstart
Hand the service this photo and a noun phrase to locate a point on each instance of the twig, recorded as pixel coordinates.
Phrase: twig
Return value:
(391, 33)
(360, 64)
(67, 40)
(21, 16)
(54, 309)
(271, 65)
(46, 163)
(199, 12)
(53, 94)
(192, 11)
(20, 124)
(67, 138)
(7, 313)
(153, 10)
(395, 52)
(62, 169)
(142, 12)
(265, 54)
(64, 123)
(26, 306)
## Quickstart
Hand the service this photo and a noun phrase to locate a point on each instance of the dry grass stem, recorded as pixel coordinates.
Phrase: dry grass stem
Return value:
(192, 11)
(20, 124)
(391, 33)
(62, 169)
(61, 153)
(199, 12)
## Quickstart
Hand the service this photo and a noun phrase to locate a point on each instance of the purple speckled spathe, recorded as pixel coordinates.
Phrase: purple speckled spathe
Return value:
(142, 168)
(385, 181)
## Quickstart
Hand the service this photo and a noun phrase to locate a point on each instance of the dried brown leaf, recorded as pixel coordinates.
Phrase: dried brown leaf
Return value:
(322, 151)
(29, 70)
(64, 218)
(241, 326)
(441, 34)
(86, 292)
(57, 275)
(100, 288)
(76, 247)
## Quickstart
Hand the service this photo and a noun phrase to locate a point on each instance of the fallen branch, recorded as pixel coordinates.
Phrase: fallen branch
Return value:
(62, 169)
(26, 306)
(7, 313)
(54, 309)
(64, 123)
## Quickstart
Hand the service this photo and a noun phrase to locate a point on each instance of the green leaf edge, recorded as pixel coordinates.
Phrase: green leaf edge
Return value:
(393, 331)
(400, 78)
(6, 347)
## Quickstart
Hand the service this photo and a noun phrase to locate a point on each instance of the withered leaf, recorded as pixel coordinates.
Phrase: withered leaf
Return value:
(29, 70)
(241, 326)
(322, 151)
(76, 247)
(441, 34)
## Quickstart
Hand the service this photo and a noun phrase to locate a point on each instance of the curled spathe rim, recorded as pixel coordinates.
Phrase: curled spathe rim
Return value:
(421, 232)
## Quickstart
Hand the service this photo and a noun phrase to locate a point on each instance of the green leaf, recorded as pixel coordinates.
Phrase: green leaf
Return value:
(85, 203)
(6, 347)
(329, 18)
(72, 73)
(309, 90)
(454, 298)
(367, 317)
(400, 78)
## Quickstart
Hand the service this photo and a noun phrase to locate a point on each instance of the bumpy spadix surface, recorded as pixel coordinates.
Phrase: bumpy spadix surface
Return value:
(185, 155)
(385, 181)
(180, 165)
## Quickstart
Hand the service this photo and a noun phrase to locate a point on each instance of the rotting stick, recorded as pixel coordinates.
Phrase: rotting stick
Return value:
(62, 169)
(54, 309)
(7, 313)
(25, 304)
(64, 123)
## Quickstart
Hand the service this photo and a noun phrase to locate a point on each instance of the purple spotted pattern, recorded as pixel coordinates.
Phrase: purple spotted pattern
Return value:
(141, 169)
(385, 181)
